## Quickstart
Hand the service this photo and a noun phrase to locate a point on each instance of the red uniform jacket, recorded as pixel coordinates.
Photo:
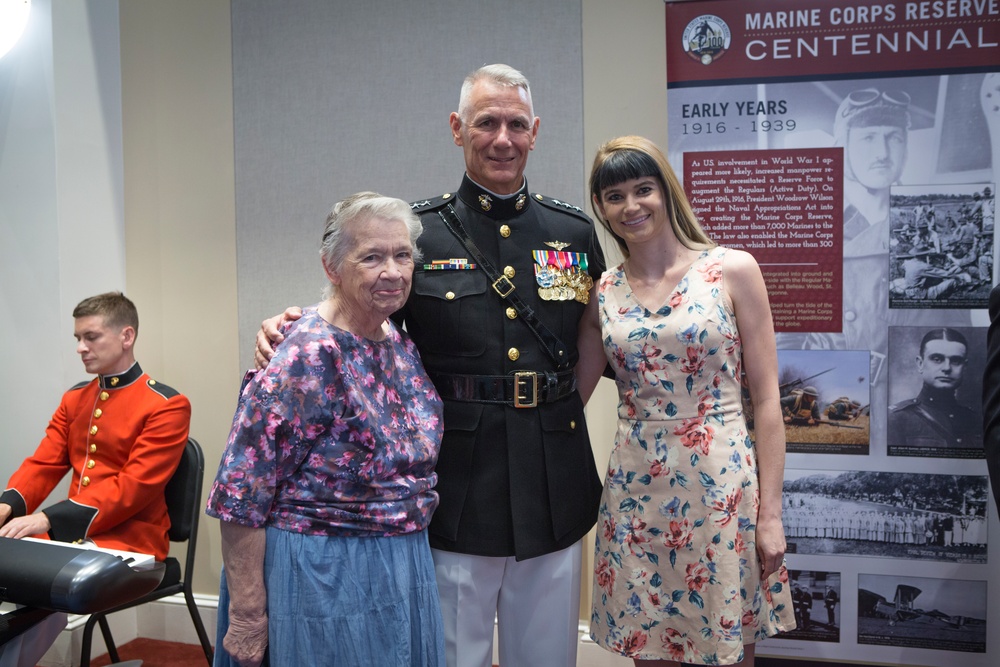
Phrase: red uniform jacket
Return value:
(122, 436)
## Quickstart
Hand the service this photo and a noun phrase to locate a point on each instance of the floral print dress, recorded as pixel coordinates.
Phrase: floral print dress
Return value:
(677, 575)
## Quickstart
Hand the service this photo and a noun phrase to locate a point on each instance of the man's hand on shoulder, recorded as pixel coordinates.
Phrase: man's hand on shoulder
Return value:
(270, 336)
(26, 526)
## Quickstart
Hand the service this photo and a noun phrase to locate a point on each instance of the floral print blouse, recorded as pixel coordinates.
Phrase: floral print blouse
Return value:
(338, 436)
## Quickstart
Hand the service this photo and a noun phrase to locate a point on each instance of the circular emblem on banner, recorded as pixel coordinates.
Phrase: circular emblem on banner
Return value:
(706, 38)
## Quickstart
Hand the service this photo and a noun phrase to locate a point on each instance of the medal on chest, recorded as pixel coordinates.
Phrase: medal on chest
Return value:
(561, 275)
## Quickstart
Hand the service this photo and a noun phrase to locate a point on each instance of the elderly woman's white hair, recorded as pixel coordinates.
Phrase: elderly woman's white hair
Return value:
(499, 74)
(359, 207)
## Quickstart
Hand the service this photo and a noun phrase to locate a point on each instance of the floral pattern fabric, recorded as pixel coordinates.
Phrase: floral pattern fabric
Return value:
(339, 435)
(677, 575)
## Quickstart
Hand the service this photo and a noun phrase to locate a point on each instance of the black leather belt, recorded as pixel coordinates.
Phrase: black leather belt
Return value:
(523, 389)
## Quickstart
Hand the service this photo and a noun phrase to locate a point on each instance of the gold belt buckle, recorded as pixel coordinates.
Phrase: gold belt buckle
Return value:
(503, 286)
(521, 379)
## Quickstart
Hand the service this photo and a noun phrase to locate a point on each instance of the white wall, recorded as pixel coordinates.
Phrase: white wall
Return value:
(180, 216)
(116, 130)
(61, 220)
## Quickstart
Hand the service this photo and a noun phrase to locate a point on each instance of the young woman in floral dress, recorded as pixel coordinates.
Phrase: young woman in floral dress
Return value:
(689, 561)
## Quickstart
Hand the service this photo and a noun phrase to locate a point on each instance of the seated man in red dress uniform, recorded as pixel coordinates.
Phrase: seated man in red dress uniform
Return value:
(121, 434)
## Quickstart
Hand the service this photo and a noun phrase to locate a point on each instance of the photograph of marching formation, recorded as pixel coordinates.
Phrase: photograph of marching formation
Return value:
(816, 597)
(935, 389)
(922, 612)
(825, 400)
(941, 245)
(886, 514)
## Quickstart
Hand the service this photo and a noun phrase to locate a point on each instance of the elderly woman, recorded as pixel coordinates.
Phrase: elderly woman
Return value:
(325, 489)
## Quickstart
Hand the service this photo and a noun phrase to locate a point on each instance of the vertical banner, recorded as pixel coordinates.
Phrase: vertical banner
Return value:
(850, 147)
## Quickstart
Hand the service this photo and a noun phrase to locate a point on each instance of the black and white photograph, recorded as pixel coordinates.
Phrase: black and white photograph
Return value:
(825, 400)
(886, 514)
(817, 600)
(935, 392)
(941, 246)
(922, 612)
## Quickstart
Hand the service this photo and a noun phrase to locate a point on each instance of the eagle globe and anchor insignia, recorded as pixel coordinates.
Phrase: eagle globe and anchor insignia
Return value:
(706, 38)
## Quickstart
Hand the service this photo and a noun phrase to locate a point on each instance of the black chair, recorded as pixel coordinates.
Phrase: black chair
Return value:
(183, 495)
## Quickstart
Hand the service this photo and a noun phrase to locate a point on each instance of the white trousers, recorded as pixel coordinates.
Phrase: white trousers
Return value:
(536, 604)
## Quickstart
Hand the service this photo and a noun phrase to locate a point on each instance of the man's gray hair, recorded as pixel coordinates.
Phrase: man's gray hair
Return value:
(338, 239)
(499, 74)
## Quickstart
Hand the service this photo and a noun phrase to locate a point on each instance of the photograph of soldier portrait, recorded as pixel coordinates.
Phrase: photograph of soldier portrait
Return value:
(935, 392)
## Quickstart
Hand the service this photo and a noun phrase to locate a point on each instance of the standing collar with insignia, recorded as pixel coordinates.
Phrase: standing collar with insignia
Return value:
(935, 396)
(483, 201)
(121, 379)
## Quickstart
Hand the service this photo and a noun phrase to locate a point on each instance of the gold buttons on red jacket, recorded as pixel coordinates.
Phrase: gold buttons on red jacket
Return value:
(97, 413)
(104, 395)
(91, 463)
(93, 430)
(93, 447)
(85, 481)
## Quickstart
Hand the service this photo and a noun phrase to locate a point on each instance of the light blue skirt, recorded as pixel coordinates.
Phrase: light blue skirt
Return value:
(347, 601)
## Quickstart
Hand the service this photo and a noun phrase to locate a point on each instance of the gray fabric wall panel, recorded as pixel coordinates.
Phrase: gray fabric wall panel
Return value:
(332, 97)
